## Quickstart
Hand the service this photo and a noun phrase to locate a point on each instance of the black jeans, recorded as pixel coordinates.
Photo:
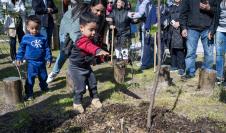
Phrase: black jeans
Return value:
(178, 58)
(82, 77)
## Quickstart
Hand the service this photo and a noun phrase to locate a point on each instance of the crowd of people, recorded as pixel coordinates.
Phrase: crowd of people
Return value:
(84, 23)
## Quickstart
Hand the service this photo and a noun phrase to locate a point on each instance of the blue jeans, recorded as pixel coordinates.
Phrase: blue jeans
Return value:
(192, 43)
(147, 50)
(220, 52)
(61, 58)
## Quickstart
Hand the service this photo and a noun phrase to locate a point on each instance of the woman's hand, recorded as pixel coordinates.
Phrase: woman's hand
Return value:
(112, 26)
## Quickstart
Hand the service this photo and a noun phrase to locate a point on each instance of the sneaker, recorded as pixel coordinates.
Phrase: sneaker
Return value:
(51, 77)
(180, 72)
(186, 77)
(78, 108)
(219, 81)
(96, 103)
(28, 98)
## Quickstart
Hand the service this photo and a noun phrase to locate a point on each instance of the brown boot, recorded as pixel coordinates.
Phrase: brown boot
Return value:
(78, 108)
(96, 103)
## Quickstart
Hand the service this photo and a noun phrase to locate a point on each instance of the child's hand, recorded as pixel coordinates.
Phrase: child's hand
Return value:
(112, 26)
(18, 62)
(49, 64)
(102, 53)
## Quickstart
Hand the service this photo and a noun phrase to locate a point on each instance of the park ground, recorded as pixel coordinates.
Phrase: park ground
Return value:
(180, 107)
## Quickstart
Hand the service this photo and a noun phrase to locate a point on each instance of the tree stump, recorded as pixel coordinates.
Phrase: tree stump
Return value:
(164, 74)
(69, 82)
(207, 79)
(12, 90)
(119, 71)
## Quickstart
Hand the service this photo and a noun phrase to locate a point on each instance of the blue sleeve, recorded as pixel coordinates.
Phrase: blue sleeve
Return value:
(21, 50)
(48, 52)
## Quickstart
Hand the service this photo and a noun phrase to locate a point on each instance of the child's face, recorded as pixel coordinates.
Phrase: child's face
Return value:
(89, 29)
(120, 4)
(33, 28)
(177, 1)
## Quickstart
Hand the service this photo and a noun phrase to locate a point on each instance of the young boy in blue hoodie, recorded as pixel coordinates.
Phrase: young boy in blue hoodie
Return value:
(34, 48)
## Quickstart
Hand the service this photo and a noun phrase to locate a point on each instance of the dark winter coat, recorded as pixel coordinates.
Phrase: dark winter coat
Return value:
(194, 18)
(175, 39)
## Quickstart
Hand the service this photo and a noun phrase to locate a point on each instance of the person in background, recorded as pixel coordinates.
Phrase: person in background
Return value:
(14, 23)
(175, 40)
(121, 22)
(220, 29)
(45, 9)
(109, 7)
(35, 50)
(196, 20)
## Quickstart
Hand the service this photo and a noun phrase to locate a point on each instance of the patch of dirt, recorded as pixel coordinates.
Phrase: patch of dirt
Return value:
(113, 118)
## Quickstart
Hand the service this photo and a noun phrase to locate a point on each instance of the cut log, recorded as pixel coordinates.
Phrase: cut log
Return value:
(164, 74)
(119, 71)
(69, 82)
(207, 79)
(12, 90)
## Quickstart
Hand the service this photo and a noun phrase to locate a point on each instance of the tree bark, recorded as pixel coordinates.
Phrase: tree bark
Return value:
(207, 79)
(55, 36)
(12, 90)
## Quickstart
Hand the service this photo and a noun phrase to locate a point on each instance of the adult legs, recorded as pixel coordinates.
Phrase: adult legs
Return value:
(220, 52)
(12, 48)
(208, 50)
(192, 43)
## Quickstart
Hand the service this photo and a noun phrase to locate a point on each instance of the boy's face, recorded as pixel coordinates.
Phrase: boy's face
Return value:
(33, 28)
(177, 1)
(89, 29)
(120, 4)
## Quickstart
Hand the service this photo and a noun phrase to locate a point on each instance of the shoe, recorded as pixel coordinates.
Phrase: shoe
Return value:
(219, 81)
(78, 108)
(96, 103)
(51, 77)
(28, 98)
(180, 72)
(186, 77)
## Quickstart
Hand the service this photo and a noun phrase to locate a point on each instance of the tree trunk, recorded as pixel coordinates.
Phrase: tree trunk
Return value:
(55, 36)
(207, 79)
(12, 90)
(164, 74)
(69, 82)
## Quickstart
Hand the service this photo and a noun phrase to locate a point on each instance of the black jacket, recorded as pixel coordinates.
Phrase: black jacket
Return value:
(175, 39)
(194, 18)
(41, 10)
(121, 21)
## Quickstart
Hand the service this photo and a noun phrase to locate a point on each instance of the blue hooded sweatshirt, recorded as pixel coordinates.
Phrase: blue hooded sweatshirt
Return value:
(34, 48)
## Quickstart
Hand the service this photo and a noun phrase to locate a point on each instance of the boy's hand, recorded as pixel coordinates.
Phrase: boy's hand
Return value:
(18, 62)
(102, 53)
(49, 64)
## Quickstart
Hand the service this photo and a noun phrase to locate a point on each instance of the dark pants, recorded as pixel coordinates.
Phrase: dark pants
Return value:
(178, 58)
(12, 42)
(35, 68)
(82, 77)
